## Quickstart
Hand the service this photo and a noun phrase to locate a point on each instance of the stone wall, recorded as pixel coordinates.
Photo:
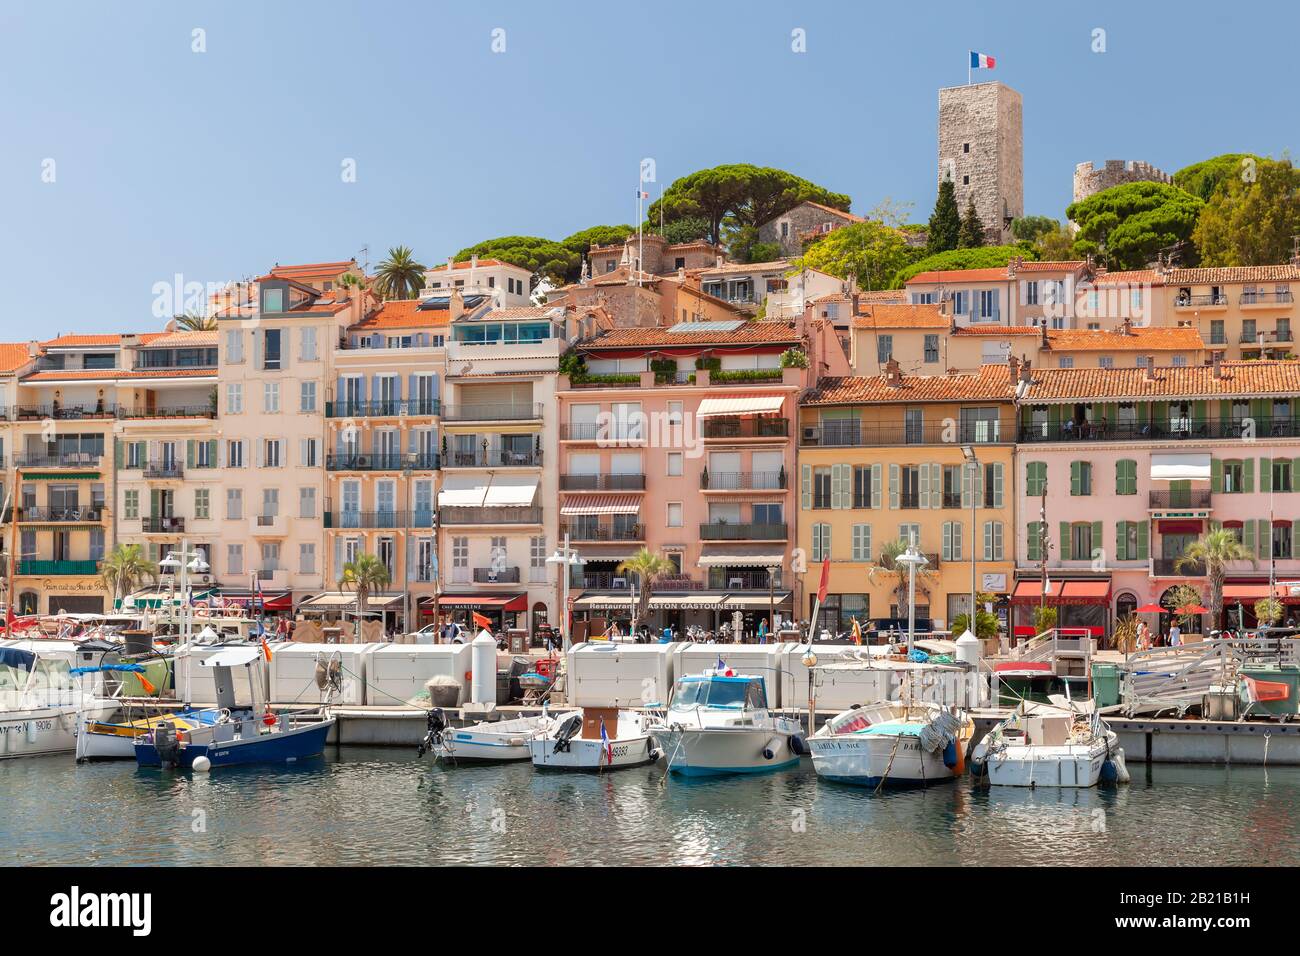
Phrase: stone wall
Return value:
(802, 219)
(981, 146)
(1090, 179)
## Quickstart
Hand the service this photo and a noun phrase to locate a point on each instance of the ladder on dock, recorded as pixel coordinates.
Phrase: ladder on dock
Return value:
(1177, 678)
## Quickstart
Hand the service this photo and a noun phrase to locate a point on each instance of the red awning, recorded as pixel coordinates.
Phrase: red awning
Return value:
(282, 601)
(503, 602)
(1244, 592)
(1085, 592)
(1028, 592)
(1181, 526)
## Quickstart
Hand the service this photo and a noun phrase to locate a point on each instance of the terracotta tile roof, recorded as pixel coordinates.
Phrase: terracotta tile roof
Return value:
(1283, 273)
(1129, 277)
(831, 209)
(313, 270)
(94, 374)
(997, 331)
(402, 314)
(524, 312)
(1190, 382)
(1155, 339)
(83, 341)
(999, 274)
(741, 268)
(465, 264)
(885, 296)
(747, 333)
(1050, 265)
(13, 356)
(883, 315)
(179, 339)
(990, 383)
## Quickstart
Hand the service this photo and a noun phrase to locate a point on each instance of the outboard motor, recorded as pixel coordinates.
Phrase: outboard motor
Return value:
(437, 723)
(566, 732)
(165, 742)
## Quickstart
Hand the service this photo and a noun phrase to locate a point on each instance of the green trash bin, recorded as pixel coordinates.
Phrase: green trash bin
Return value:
(1105, 684)
(1285, 704)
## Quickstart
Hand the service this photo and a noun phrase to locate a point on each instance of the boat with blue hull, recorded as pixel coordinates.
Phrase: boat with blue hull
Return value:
(240, 734)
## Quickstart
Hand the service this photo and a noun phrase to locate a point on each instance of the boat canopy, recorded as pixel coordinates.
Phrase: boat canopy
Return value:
(232, 657)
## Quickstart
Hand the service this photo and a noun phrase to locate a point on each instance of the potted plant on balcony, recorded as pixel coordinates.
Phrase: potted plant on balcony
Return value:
(1213, 551)
(124, 569)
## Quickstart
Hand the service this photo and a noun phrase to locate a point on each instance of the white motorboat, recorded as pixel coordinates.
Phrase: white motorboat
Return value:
(597, 738)
(1042, 745)
(40, 699)
(486, 741)
(893, 743)
(718, 723)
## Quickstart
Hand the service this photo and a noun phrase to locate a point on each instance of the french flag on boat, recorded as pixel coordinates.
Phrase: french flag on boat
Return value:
(979, 61)
(722, 669)
(609, 748)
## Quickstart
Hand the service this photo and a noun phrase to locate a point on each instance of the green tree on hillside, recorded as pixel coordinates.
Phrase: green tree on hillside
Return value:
(971, 234)
(870, 252)
(1204, 178)
(945, 221)
(1030, 228)
(1126, 226)
(984, 257)
(1251, 221)
(544, 258)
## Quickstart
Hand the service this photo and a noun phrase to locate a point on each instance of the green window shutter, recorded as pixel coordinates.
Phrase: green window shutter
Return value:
(946, 547)
(1216, 476)
(1121, 540)
(893, 486)
(1053, 417)
(1295, 538)
(1033, 541)
(1034, 476)
(1076, 478)
(1248, 472)
(212, 453)
(965, 486)
(839, 487)
(1265, 538)
(1097, 531)
(876, 501)
(956, 540)
(923, 485)
(1144, 530)
(189, 453)
(979, 487)
(1126, 477)
(997, 484)
(936, 486)
(1063, 543)
(988, 541)
(1248, 535)
(805, 487)
(1266, 474)
(1295, 471)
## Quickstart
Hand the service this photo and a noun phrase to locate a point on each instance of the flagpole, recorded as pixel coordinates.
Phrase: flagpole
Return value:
(969, 54)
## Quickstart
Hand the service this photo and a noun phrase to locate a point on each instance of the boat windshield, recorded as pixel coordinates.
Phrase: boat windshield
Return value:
(735, 694)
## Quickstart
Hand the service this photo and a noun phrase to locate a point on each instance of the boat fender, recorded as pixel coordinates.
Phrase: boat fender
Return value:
(202, 764)
(950, 755)
(797, 745)
(1115, 770)
(516, 741)
(770, 749)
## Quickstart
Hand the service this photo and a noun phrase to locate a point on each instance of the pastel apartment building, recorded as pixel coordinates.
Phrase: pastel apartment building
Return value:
(1020, 293)
(506, 285)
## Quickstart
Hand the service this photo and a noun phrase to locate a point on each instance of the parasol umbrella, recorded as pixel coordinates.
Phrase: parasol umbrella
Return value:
(1193, 609)
(1151, 609)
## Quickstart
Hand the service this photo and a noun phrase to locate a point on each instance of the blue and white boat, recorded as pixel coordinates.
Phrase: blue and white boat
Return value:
(239, 734)
(893, 743)
(718, 723)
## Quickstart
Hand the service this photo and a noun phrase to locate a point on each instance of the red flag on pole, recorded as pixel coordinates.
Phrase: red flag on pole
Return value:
(826, 580)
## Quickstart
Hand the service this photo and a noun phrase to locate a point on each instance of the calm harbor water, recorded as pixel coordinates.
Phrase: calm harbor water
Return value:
(384, 806)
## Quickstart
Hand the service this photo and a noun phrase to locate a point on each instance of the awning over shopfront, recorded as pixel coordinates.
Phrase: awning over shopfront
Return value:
(739, 405)
(602, 505)
(755, 556)
(757, 601)
(1180, 467)
(691, 601)
(1062, 592)
(461, 491)
(158, 596)
(243, 597)
(481, 602)
(511, 490)
(1179, 526)
(1244, 592)
(333, 600)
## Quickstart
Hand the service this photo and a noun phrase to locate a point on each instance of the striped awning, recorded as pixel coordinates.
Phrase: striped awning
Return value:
(603, 505)
(757, 556)
(739, 405)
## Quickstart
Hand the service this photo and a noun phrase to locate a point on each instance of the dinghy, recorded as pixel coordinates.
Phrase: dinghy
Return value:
(1042, 745)
(597, 738)
(893, 743)
(486, 741)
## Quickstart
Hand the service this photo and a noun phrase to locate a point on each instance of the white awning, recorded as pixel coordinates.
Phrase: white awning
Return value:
(690, 601)
(461, 491)
(739, 405)
(1180, 467)
(602, 505)
(742, 557)
(232, 657)
(603, 600)
(755, 600)
(346, 599)
(511, 490)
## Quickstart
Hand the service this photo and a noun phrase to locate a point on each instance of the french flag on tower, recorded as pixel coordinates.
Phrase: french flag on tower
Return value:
(978, 61)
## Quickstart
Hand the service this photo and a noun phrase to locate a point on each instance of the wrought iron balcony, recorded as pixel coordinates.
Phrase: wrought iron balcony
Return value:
(163, 469)
(1188, 498)
(602, 531)
(383, 408)
(490, 514)
(743, 480)
(751, 427)
(496, 575)
(494, 458)
(723, 531)
(382, 461)
(602, 482)
(162, 525)
(88, 515)
(379, 519)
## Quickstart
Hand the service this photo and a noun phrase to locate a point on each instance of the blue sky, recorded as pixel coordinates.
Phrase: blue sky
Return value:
(216, 165)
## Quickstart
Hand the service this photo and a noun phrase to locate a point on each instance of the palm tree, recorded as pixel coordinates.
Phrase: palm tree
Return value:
(399, 276)
(364, 573)
(1214, 550)
(888, 562)
(193, 322)
(649, 567)
(125, 568)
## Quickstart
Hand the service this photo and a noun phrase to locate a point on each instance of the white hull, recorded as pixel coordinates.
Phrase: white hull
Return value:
(91, 746)
(42, 730)
(1065, 766)
(719, 750)
(867, 760)
(585, 754)
(498, 742)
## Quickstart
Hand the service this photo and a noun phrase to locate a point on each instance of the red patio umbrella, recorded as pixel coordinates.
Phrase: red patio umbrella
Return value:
(1150, 609)
(1193, 609)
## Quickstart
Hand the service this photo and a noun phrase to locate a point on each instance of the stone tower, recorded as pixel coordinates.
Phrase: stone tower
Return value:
(981, 148)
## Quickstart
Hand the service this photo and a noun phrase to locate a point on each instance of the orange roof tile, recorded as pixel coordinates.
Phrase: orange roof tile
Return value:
(747, 333)
(13, 356)
(990, 383)
(728, 268)
(181, 338)
(1280, 273)
(1154, 339)
(1129, 277)
(1188, 382)
(326, 270)
(985, 328)
(998, 274)
(402, 314)
(82, 374)
(884, 315)
(82, 341)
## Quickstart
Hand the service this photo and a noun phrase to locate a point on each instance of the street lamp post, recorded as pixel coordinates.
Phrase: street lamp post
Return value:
(912, 560)
(567, 559)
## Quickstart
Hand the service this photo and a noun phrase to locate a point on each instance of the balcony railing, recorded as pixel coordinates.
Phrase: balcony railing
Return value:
(379, 519)
(163, 469)
(855, 434)
(602, 482)
(1165, 568)
(496, 575)
(602, 531)
(383, 408)
(162, 525)
(27, 413)
(1190, 498)
(492, 412)
(1188, 430)
(30, 566)
(1265, 337)
(169, 411)
(491, 514)
(383, 461)
(743, 480)
(1190, 301)
(63, 515)
(67, 460)
(613, 432)
(494, 458)
(745, 427)
(1264, 298)
(741, 579)
(721, 531)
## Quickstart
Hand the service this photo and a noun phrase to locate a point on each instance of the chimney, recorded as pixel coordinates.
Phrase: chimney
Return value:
(33, 349)
(450, 263)
(1026, 373)
(1216, 363)
(893, 374)
(856, 299)
(1013, 365)
(456, 306)
(1013, 266)
(1126, 327)
(718, 265)
(1149, 369)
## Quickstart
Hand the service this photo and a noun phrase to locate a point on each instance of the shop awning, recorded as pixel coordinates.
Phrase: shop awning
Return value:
(1244, 592)
(756, 556)
(603, 505)
(739, 405)
(157, 597)
(686, 602)
(461, 491)
(1179, 526)
(511, 490)
(344, 599)
(615, 601)
(1180, 467)
(1062, 592)
(760, 601)
(490, 602)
